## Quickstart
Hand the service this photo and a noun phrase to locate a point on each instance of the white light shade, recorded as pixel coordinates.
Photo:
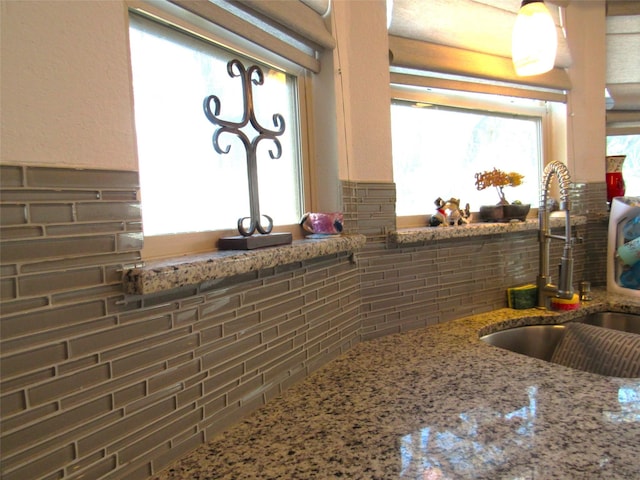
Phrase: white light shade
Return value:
(534, 40)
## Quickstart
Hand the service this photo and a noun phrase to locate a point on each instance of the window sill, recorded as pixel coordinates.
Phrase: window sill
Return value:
(173, 273)
(424, 234)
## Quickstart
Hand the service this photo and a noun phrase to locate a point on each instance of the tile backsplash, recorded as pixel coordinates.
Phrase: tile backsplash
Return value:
(95, 384)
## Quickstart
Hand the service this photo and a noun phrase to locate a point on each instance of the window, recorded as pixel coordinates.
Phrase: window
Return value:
(628, 145)
(185, 185)
(441, 139)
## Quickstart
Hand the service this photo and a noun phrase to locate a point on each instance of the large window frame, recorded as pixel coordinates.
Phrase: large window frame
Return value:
(544, 110)
(174, 245)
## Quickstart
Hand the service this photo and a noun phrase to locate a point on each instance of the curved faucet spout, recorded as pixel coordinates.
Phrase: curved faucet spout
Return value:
(546, 289)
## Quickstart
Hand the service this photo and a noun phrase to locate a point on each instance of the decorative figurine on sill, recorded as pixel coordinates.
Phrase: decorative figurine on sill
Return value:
(440, 217)
(449, 213)
(322, 223)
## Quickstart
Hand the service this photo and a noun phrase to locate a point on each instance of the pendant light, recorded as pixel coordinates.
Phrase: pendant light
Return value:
(534, 39)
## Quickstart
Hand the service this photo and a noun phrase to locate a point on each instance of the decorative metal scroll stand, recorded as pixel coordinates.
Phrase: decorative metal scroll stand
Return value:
(247, 226)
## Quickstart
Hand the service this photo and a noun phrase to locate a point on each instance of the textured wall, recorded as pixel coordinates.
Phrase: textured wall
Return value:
(108, 387)
(101, 385)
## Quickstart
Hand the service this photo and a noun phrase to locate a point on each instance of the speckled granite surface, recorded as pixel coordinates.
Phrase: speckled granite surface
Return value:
(165, 275)
(424, 234)
(437, 403)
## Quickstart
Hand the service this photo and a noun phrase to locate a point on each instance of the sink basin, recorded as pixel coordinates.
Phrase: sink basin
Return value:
(607, 343)
(625, 322)
(538, 341)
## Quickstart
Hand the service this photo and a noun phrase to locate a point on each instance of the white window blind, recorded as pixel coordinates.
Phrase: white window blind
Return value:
(291, 28)
(469, 38)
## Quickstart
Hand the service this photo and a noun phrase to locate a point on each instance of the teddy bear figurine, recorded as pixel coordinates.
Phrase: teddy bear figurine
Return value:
(449, 213)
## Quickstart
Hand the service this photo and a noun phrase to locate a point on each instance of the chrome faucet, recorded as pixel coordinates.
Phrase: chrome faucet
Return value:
(546, 289)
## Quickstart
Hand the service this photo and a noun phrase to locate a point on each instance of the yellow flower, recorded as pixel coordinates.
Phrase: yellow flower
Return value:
(499, 179)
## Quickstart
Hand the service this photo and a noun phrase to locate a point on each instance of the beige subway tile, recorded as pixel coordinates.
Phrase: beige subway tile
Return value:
(276, 354)
(154, 354)
(212, 386)
(123, 427)
(65, 385)
(70, 230)
(114, 386)
(51, 213)
(12, 215)
(10, 385)
(31, 285)
(247, 391)
(96, 470)
(80, 178)
(11, 176)
(119, 334)
(129, 394)
(174, 376)
(32, 414)
(162, 421)
(8, 289)
(178, 451)
(133, 471)
(52, 463)
(130, 241)
(259, 294)
(217, 306)
(288, 306)
(228, 416)
(75, 365)
(22, 439)
(56, 335)
(184, 317)
(20, 233)
(190, 395)
(106, 211)
(145, 313)
(32, 250)
(116, 259)
(241, 324)
(51, 319)
(229, 350)
(12, 403)
(151, 399)
(126, 195)
(32, 360)
(85, 462)
(44, 195)
(168, 434)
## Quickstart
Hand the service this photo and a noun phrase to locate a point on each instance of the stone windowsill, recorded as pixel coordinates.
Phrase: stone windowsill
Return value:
(425, 234)
(173, 273)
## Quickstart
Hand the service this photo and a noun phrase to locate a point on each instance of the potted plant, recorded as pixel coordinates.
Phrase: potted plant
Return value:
(503, 211)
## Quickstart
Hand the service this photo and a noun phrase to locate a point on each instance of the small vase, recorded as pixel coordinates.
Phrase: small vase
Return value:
(615, 181)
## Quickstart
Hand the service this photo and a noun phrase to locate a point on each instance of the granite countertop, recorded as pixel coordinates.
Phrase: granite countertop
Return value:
(426, 234)
(162, 275)
(437, 403)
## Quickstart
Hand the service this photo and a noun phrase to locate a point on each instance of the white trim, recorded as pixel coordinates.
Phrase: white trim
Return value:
(172, 15)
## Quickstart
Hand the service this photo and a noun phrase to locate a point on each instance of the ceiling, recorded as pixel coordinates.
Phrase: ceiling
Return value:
(485, 26)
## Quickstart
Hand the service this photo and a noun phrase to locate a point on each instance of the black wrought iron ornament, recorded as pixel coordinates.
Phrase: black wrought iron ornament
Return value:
(247, 226)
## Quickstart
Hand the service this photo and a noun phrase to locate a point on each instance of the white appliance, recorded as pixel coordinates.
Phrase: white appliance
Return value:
(624, 227)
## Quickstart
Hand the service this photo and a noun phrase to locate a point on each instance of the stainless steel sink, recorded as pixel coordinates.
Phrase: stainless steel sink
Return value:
(546, 342)
(625, 322)
(538, 341)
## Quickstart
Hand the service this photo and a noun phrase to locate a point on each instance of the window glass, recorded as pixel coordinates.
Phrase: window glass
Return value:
(628, 145)
(185, 185)
(438, 149)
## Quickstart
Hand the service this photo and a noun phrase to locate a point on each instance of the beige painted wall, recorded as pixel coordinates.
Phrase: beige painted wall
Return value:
(363, 46)
(66, 89)
(67, 98)
(586, 122)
